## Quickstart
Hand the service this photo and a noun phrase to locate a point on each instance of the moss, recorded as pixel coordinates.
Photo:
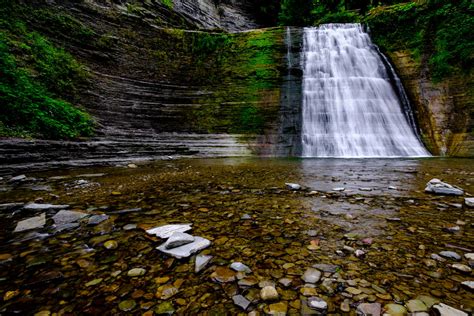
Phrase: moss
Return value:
(168, 3)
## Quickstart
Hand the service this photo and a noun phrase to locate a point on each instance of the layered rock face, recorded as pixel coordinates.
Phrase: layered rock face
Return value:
(444, 110)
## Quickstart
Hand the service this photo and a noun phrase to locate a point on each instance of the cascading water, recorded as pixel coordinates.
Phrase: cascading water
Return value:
(350, 108)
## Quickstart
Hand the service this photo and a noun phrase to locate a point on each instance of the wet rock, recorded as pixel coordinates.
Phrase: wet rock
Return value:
(345, 306)
(241, 301)
(359, 253)
(166, 231)
(450, 255)
(223, 275)
(18, 178)
(317, 304)
(240, 267)
(311, 275)
(127, 305)
(339, 189)
(111, 244)
(415, 306)
(369, 309)
(247, 282)
(130, 227)
(331, 268)
(312, 233)
(469, 202)
(97, 219)
(452, 229)
(31, 223)
(469, 256)
(395, 310)
(285, 282)
(178, 239)
(10, 206)
(201, 262)
(126, 211)
(41, 207)
(187, 250)
(468, 285)
(461, 267)
(90, 175)
(166, 291)
(353, 290)
(64, 217)
(293, 186)
(436, 186)
(94, 282)
(279, 309)
(445, 310)
(136, 272)
(269, 293)
(437, 257)
(165, 308)
(246, 217)
(365, 189)
(64, 227)
(428, 300)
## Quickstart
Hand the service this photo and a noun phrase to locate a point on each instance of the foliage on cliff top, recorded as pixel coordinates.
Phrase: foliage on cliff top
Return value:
(35, 80)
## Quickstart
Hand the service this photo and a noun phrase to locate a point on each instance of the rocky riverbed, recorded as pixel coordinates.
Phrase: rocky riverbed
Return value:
(286, 236)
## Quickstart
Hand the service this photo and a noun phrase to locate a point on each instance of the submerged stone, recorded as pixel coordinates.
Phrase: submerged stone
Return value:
(293, 186)
(187, 250)
(37, 206)
(178, 239)
(415, 306)
(446, 310)
(269, 293)
(127, 305)
(311, 275)
(166, 231)
(469, 202)
(201, 262)
(395, 310)
(241, 301)
(223, 275)
(136, 272)
(450, 255)
(165, 308)
(31, 223)
(97, 219)
(369, 309)
(64, 217)
(240, 267)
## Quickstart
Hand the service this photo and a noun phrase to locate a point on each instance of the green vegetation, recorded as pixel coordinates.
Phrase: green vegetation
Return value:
(168, 3)
(36, 80)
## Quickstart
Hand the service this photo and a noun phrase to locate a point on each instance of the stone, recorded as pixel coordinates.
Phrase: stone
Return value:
(369, 309)
(353, 290)
(111, 244)
(345, 306)
(166, 231)
(317, 303)
(331, 268)
(130, 227)
(436, 186)
(94, 282)
(136, 272)
(437, 257)
(293, 186)
(97, 219)
(41, 207)
(468, 285)
(165, 308)
(359, 253)
(311, 275)
(126, 211)
(240, 267)
(269, 293)
(469, 256)
(31, 223)
(10, 206)
(223, 275)
(428, 300)
(365, 189)
(187, 250)
(461, 267)
(246, 217)
(395, 310)
(201, 262)
(446, 310)
(127, 305)
(241, 301)
(285, 281)
(17, 178)
(178, 239)
(279, 309)
(166, 291)
(415, 306)
(340, 189)
(64, 217)
(469, 202)
(450, 255)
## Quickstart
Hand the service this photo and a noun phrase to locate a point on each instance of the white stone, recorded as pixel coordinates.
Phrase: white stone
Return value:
(461, 267)
(469, 256)
(311, 275)
(468, 284)
(64, 217)
(167, 230)
(293, 186)
(240, 267)
(445, 310)
(339, 189)
(178, 239)
(185, 251)
(469, 202)
(201, 262)
(317, 303)
(436, 186)
(36, 206)
(17, 178)
(31, 223)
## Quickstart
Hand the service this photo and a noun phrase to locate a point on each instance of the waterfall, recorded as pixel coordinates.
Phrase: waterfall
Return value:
(350, 106)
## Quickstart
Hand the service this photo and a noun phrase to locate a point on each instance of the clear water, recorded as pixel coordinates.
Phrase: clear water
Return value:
(350, 107)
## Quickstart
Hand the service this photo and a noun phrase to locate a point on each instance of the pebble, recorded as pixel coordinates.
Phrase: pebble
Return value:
(340, 189)
(293, 186)
(241, 301)
(369, 309)
(201, 262)
(395, 310)
(178, 239)
(330, 268)
(279, 309)
(415, 306)
(461, 267)
(469, 202)
(165, 308)
(359, 253)
(246, 217)
(285, 282)
(469, 256)
(445, 310)
(111, 244)
(269, 293)
(428, 300)
(17, 178)
(40, 207)
(345, 306)
(468, 284)
(437, 257)
(450, 255)
(317, 304)
(97, 219)
(223, 275)
(136, 272)
(353, 290)
(311, 275)
(31, 223)
(94, 282)
(240, 267)
(127, 305)
(130, 227)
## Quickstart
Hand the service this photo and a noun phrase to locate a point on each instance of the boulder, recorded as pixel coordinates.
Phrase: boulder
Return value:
(437, 186)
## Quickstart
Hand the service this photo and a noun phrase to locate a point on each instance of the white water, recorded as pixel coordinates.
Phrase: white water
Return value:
(350, 108)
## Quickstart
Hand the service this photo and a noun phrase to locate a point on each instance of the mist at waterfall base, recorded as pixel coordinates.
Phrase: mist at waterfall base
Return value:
(350, 106)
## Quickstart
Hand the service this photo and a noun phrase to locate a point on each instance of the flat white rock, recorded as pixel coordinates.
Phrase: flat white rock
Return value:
(185, 251)
(445, 310)
(469, 202)
(178, 239)
(36, 206)
(167, 230)
(436, 186)
(201, 262)
(64, 217)
(293, 186)
(31, 223)
(240, 267)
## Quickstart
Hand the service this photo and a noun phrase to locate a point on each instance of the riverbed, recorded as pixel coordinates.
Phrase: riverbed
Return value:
(367, 224)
